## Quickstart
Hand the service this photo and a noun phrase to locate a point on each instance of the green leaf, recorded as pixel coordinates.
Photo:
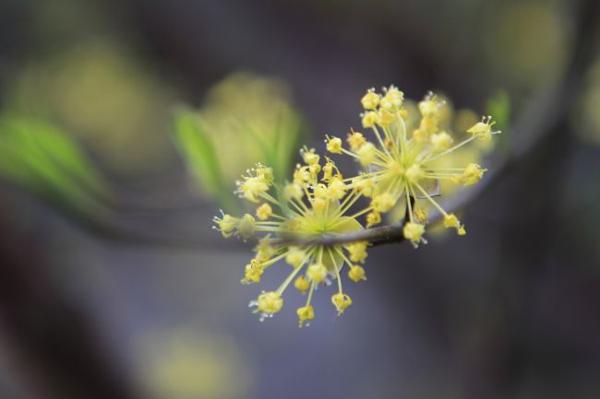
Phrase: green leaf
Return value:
(498, 106)
(199, 154)
(44, 160)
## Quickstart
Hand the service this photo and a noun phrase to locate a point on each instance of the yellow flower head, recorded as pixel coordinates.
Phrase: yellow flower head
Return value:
(357, 273)
(334, 145)
(413, 232)
(370, 100)
(317, 202)
(483, 129)
(355, 140)
(305, 315)
(341, 302)
(268, 303)
(402, 165)
(264, 211)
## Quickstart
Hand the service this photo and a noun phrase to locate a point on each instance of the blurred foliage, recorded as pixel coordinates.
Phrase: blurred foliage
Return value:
(104, 95)
(588, 125)
(515, 29)
(245, 119)
(186, 364)
(45, 161)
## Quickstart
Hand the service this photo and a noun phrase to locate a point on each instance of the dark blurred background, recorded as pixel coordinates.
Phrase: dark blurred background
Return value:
(113, 285)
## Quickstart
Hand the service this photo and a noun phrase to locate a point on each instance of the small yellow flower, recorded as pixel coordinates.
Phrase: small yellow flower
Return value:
(305, 314)
(355, 140)
(483, 129)
(357, 251)
(383, 203)
(413, 232)
(471, 175)
(264, 211)
(269, 303)
(295, 257)
(334, 145)
(252, 273)
(341, 302)
(393, 98)
(420, 215)
(364, 186)
(366, 154)
(370, 100)
(441, 141)
(369, 119)
(293, 191)
(309, 156)
(336, 190)
(373, 218)
(385, 117)
(316, 272)
(226, 224)
(302, 284)
(356, 273)
(247, 226)
(451, 221)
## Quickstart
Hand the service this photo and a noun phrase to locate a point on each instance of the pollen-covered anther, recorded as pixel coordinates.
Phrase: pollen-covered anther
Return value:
(316, 272)
(341, 302)
(356, 273)
(305, 315)
(264, 211)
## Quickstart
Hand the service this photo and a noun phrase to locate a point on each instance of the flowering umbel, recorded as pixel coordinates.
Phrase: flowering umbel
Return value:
(317, 201)
(401, 165)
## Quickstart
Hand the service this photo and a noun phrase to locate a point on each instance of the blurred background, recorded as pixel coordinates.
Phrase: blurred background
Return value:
(123, 125)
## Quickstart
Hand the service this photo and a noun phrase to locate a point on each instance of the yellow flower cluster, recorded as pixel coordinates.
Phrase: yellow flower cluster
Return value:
(400, 168)
(316, 202)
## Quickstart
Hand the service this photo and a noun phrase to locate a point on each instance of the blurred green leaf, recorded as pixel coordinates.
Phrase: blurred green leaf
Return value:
(47, 162)
(199, 152)
(498, 106)
(245, 119)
